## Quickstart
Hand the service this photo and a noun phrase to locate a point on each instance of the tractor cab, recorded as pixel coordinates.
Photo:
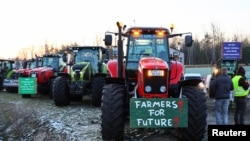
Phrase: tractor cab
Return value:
(95, 55)
(53, 61)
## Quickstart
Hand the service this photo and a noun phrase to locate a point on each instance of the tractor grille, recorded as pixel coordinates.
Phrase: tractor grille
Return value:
(155, 82)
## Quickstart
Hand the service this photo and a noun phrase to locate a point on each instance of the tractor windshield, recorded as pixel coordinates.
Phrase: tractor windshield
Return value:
(87, 55)
(147, 45)
(52, 62)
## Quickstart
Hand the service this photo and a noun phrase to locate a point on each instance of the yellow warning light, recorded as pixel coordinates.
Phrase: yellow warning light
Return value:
(119, 24)
(136, 32)
(171, 26)
(160, 33)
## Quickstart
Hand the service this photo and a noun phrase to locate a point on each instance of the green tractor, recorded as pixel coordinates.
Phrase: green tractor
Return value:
(230, 64)
(86, 76)
(6, 68)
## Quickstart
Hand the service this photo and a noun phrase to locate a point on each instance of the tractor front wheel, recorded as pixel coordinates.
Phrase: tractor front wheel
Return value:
(113, 121)
(197, 114)
(96, 90)
(60, 92)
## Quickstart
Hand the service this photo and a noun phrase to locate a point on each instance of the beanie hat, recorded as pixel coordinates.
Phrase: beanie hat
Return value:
(241, 71)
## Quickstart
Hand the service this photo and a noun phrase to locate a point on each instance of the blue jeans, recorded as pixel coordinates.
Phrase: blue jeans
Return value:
(221, 111)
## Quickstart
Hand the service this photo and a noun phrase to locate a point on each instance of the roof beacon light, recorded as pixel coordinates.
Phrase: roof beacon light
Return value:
(171, 27)
(119, 24)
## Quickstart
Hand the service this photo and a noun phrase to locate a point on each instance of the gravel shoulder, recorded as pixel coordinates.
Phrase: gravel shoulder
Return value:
(38, 119)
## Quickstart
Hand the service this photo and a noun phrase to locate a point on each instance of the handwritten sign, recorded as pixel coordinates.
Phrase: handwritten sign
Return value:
(158, 112)
(27, 86)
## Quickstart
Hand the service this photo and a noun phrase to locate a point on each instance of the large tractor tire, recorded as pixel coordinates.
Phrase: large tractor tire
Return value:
(96, 90)
(197, 115)
(60, 92)
(51, 83)
(113, 121)
(1, 82)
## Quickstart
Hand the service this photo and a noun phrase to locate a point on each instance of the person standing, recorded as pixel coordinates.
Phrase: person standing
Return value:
(222, 86)
(240, 95)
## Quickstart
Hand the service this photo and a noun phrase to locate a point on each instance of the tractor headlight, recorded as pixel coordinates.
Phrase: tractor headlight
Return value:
(155, 73)
(148, 89)
(163, 89)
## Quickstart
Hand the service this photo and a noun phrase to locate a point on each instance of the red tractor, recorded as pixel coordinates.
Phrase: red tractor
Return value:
(52, 65)
(148, 72)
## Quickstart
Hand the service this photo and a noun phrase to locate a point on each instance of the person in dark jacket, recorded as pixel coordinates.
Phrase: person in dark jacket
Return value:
(222, 86)
(240, 95)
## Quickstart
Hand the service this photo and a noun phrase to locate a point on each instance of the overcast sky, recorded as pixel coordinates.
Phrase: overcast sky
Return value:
(26, 23)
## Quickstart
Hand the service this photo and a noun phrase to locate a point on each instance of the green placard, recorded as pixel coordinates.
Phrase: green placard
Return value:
(158, 112)
(27, 86)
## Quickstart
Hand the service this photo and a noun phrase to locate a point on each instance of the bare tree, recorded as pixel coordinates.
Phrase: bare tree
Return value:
(217, 40)
(23, 53)
(32, 51)
(98, 41)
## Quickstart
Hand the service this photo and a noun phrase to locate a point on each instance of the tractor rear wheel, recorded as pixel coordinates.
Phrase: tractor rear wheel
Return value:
(113, 121)
(197, 114)
(96, 90)
(60, 92)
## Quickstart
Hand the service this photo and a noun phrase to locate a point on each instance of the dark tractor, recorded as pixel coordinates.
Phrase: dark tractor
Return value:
(6, 68)
(147, 71)
(86, 76)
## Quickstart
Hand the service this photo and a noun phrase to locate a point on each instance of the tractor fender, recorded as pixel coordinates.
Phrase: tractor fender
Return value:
(112, 68)
(177, 71)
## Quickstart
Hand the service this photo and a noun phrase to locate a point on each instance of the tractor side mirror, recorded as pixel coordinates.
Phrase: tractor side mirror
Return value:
(108, 40)
(64, 57)
(188, 41)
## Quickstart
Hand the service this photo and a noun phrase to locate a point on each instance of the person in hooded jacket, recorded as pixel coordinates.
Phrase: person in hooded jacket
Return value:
(222, 86)
(240, 95)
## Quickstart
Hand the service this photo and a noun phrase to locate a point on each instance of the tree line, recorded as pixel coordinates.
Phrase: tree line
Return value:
(204, 51)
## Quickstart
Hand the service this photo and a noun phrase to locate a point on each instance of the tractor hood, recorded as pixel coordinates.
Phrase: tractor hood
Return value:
(152, 63)
(41, 69)
(81, 71)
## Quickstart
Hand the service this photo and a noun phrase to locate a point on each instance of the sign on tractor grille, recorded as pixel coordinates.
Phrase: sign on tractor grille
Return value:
(27, 86)
(158, 112)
